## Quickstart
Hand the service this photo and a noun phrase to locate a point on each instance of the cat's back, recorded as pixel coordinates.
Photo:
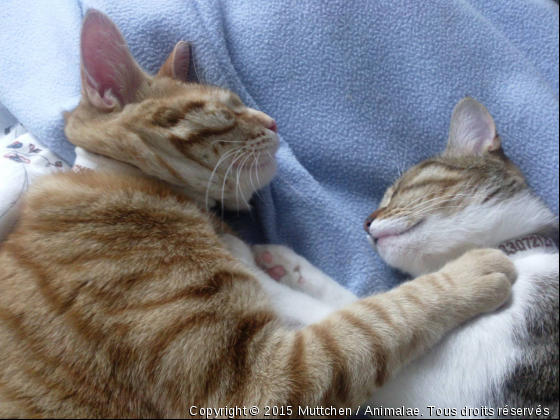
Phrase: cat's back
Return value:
(95, 212)
(76, 226)
(103, 276)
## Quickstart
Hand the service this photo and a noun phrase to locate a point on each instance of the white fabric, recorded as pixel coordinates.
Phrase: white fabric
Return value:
(23, 159)
(88, 160)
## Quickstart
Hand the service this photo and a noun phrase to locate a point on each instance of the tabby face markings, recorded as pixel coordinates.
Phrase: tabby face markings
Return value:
(201, 138)
(470, 196)
(231, 146)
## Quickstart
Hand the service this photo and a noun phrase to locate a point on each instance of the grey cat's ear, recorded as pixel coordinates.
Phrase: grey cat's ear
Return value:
(472, 132)
(110, 75)
(177, 64)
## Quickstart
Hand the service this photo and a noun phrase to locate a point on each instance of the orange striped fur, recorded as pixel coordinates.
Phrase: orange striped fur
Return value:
(118, 298)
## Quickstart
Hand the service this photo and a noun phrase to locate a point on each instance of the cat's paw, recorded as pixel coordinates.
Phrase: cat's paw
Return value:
(484, 275)
(287, 267)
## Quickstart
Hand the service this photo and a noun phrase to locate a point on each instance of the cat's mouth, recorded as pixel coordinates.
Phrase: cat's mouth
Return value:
(377, 237)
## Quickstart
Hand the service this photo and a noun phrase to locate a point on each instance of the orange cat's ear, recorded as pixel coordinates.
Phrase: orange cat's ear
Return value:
(110, 75)
(177, 64)
(472, 132)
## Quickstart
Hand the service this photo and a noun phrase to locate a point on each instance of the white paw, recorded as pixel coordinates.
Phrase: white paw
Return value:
(286, 267)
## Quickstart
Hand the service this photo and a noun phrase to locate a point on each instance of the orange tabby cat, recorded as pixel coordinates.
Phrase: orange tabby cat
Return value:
(119, 299)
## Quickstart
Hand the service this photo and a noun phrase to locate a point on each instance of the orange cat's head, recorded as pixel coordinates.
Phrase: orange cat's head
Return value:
(202, 138)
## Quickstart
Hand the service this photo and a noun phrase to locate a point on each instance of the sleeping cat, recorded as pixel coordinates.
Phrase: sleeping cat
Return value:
(471, 196)
(120, 299)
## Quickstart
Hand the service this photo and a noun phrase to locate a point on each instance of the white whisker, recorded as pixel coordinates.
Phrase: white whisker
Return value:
(435, 198)
(251, 172)
(257, 170)
(224, 157)
(469, 193)
(239, 184)
(235, 159)
(307, 199)
(237, 189)
(427, 195)
(424, 210)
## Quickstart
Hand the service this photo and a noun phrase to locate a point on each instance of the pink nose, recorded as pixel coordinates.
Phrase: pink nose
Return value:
(272, 126)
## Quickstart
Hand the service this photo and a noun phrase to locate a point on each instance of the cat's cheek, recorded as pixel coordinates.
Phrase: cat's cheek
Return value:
(391, 245)
(386, 252)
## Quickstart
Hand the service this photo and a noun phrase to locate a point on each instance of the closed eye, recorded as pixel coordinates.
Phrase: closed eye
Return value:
(235, 101)
(227, 114)
(235, 104)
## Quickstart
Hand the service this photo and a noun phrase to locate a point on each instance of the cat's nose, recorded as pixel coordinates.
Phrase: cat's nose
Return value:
(272, 126)
(264, 119)
(371, 218)
(368, 223)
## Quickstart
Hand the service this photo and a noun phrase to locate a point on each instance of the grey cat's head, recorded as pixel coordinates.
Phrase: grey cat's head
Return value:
(470, 196)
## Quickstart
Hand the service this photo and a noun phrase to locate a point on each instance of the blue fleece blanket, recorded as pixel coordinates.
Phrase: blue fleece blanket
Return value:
(360, 90)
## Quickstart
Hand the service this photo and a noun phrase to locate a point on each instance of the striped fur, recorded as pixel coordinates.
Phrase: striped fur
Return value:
(119, 298)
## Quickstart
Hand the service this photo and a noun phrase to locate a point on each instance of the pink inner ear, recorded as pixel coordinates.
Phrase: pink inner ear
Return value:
(181, 60)
(472, 131)
(108, 66)
(483, 130)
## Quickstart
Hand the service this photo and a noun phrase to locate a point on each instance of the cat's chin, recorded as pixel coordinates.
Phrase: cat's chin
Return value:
(404, 254)
(408, 255)
(394, 254)
(250, 183)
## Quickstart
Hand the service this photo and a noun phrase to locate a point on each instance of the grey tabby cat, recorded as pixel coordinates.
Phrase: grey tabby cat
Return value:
(474, 196)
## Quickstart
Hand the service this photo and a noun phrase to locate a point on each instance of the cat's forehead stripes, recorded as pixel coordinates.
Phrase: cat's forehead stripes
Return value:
(440, 163)
(429, 182)
(430, 175)
(448, 184)
(167, 117)
(185, 145)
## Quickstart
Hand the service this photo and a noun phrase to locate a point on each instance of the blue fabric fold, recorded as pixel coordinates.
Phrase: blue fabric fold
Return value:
(360, 90)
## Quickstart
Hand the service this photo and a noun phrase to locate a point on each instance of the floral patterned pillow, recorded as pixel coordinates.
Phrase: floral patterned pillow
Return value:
(22, 159)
